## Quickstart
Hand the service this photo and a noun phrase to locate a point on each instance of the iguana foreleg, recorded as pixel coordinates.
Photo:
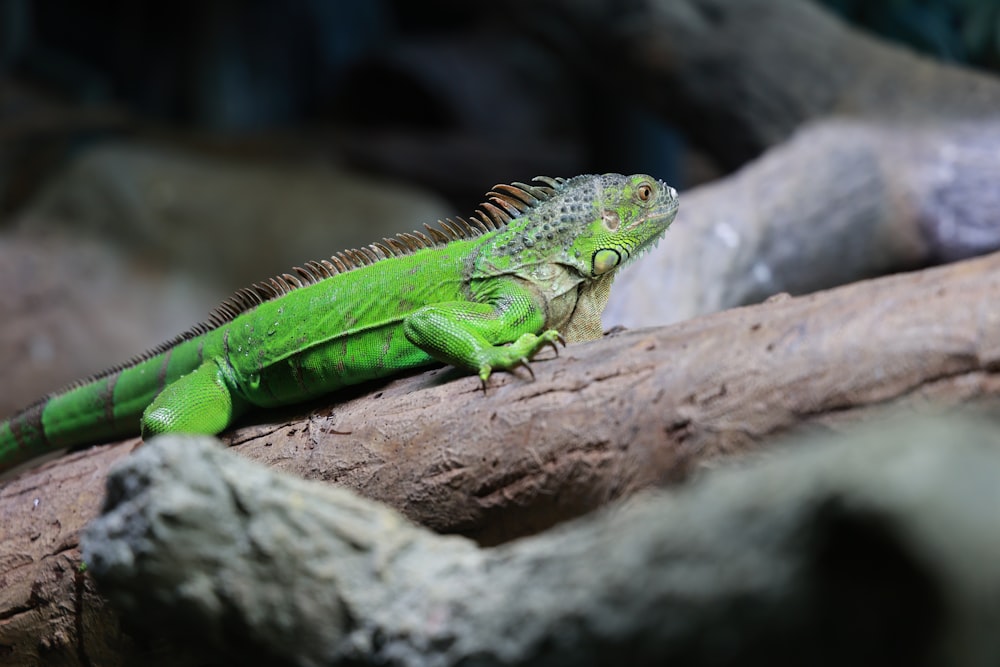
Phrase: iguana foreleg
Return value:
(472, 335)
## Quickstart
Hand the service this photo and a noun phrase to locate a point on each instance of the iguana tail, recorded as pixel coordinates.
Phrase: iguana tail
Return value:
(103, 407)
(81, 415)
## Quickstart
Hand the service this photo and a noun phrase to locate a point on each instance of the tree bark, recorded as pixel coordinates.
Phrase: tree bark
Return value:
(872, 551)
(605, 420)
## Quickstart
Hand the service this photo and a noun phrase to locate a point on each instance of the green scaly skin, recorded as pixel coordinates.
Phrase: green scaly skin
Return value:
(535, 267)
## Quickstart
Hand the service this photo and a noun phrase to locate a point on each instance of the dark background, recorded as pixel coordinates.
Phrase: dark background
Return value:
(454, 96)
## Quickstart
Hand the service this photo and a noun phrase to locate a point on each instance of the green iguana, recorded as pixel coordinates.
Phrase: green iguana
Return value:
(532, 266)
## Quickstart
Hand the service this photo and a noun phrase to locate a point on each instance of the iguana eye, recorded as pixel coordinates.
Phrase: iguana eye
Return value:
(644, 192)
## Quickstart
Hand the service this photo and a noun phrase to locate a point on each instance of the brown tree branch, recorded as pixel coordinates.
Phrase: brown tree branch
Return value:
(603, 421)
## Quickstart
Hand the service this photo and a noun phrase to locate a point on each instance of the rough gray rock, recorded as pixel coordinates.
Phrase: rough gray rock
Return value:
(882, 549)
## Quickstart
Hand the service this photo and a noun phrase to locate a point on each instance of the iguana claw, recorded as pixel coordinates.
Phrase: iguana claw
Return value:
(550, 338)
(552, 344)
(523, 361)
(484, 375)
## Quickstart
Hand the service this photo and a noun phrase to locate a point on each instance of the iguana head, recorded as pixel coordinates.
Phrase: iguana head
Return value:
(592, 224)
(629, 215)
